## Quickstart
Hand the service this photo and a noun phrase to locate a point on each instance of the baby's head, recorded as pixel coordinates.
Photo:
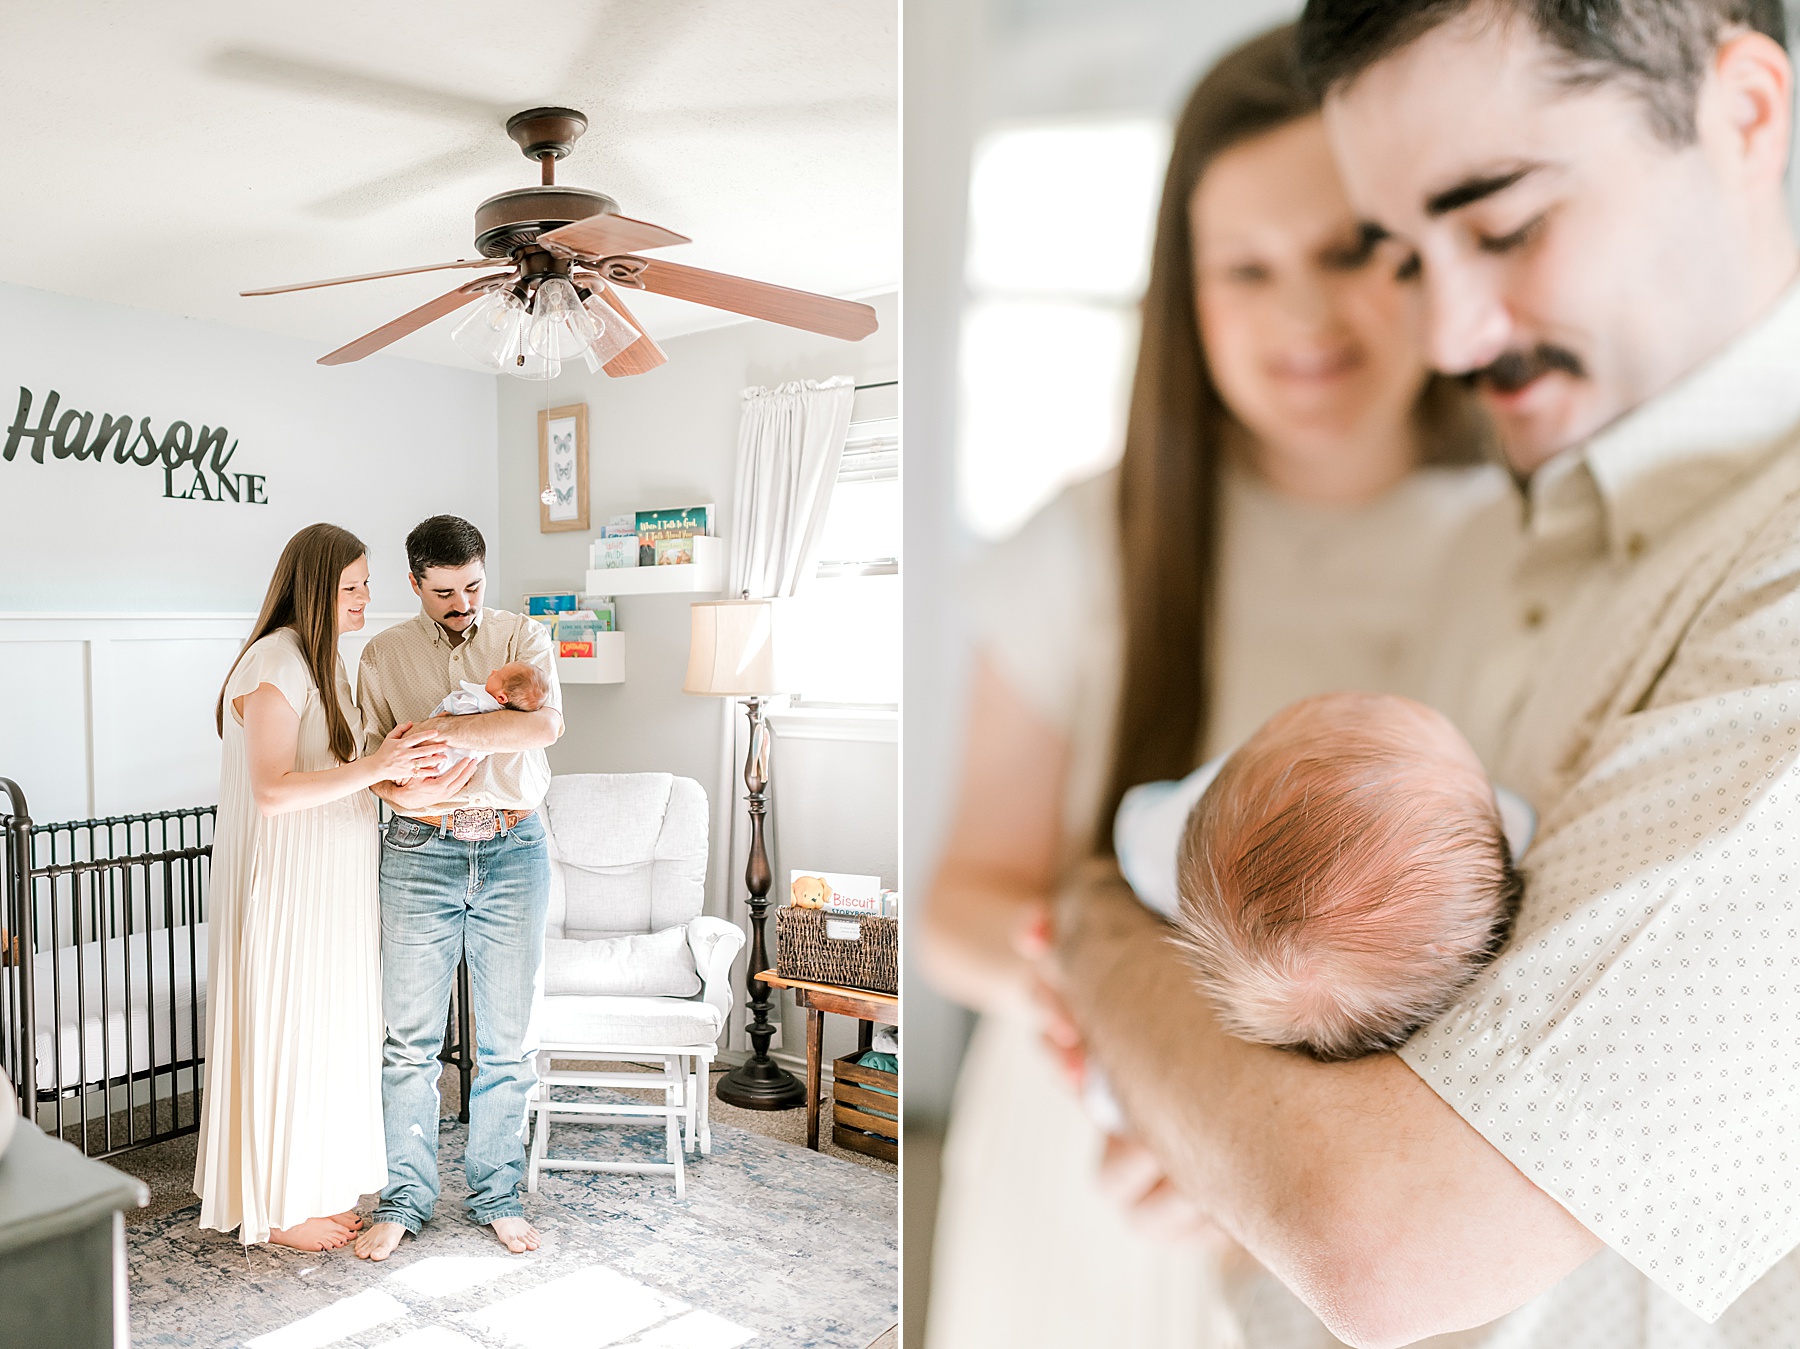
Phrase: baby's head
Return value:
(519, 685)
(1345, 876)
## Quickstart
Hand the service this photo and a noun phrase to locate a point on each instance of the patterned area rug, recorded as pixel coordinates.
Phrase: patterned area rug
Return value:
(773, 1246)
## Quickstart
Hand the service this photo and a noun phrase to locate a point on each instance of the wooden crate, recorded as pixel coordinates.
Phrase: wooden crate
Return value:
(853, 1126)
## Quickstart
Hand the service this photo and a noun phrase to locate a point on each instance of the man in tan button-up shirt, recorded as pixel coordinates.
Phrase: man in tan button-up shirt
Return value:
(1601, 1138)
(465, 873)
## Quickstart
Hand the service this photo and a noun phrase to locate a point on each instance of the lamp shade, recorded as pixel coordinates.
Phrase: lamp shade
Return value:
(734, 649)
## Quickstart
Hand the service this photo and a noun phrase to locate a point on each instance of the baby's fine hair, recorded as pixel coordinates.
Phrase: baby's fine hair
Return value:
(1343, 878)
(525, 685)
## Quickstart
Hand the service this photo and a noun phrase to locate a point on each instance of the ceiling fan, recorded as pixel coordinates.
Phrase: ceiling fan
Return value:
(562, 250)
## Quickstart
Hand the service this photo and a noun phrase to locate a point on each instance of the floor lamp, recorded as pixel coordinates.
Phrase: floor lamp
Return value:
(732, 653)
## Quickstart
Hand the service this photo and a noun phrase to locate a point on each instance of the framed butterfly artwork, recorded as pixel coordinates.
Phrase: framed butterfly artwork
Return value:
(563, 468)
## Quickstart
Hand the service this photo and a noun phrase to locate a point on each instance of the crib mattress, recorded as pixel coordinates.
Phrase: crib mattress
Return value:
(126, 1004)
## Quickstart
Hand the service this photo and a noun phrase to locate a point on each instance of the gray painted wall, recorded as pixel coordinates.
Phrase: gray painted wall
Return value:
(669, 438)
(374, 446)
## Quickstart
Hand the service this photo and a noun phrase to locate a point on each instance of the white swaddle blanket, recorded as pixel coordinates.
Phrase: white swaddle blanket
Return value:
(1147, 834)
(464, 701)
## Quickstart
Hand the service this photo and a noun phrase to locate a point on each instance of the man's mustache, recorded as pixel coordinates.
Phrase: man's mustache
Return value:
(1513, 370)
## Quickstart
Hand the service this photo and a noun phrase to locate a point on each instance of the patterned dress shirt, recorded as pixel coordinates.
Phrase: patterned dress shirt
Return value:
(1633, 669)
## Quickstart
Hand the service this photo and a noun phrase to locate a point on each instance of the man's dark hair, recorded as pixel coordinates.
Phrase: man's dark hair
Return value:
(1658, 49)
(444, 541)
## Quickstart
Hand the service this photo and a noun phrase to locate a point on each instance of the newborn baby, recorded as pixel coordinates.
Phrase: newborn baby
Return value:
(1337, 880)
(518, 685)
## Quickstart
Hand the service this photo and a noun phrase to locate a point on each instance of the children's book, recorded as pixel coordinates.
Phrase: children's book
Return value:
(603, 611)
(835, 892)
(684, 523)
(675, 552)
(614, 550)
(581, 626)
(549, 602)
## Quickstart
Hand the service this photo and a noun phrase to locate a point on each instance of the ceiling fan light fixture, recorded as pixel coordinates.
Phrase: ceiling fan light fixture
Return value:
(560, 328)
(613, 334)
(492, 330)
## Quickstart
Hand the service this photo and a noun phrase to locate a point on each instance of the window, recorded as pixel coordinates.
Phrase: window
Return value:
(847, 618)
(1060, 224)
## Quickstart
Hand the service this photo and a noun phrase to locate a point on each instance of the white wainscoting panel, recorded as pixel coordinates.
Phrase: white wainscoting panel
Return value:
(43, 724)
(112, 714)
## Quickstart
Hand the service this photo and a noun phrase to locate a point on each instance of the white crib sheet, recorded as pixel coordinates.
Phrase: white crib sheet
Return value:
(116, 1025)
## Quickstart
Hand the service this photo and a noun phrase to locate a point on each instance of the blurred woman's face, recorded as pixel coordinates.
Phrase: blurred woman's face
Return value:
(1313, 344)
(352, 596)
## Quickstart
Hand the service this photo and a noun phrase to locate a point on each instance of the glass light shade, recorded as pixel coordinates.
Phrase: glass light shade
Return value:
(734, 648)
(560, 329)
(614, 335)
(494, 333)
(490, 331)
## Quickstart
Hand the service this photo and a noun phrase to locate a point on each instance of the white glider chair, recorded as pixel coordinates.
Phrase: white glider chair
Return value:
(633, 971)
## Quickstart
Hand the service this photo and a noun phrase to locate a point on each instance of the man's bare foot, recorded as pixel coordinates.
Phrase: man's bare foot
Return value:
(517, 1235)
(377, 1242)
(315, 1234)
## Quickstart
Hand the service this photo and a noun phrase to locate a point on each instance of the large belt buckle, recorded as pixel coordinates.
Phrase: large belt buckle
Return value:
(475, 825)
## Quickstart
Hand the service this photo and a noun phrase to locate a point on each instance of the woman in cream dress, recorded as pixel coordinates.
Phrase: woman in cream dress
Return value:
(1291, 479)
(290, 1132)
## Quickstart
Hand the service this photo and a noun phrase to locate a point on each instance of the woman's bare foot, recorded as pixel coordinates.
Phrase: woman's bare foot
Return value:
(315, 1234)
(517, 1235)
(378, 1241)
(351, 1220)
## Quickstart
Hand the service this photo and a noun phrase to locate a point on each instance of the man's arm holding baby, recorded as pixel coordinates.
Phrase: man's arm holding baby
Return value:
(504, 732)
(1354, 1183)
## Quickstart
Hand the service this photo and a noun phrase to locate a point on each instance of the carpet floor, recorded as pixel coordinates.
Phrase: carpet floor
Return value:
(773, 1246)
(168, 1168)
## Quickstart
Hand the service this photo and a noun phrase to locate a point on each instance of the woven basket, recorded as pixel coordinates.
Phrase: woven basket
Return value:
(830, 948)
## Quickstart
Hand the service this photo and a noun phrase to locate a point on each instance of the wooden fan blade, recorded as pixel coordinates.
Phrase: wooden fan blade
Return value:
(409, 322)
(760, 300)
(376, 276)
(600, 235)
(642, 355)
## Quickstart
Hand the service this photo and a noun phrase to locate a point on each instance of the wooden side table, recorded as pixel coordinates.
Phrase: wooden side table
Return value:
(818, 999)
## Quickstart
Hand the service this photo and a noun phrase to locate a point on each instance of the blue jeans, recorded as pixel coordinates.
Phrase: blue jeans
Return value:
(442, 899)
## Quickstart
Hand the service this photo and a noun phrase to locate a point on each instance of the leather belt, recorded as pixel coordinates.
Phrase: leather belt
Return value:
(475, 824)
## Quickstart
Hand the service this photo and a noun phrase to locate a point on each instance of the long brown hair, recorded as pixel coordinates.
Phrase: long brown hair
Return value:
(1172, 473)
(303, 596)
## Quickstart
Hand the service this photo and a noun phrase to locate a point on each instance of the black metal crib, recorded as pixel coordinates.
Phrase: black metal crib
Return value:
(103, 942)
(103, 971)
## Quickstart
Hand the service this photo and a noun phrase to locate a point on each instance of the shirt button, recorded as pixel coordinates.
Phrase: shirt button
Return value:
(1534, 616)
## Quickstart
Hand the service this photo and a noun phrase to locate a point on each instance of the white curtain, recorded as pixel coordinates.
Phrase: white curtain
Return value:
(789, 445)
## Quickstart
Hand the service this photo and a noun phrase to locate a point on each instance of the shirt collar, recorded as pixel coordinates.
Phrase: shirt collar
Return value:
(1660, 462)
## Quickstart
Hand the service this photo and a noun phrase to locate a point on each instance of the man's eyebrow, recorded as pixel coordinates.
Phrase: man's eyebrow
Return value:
(1472, 190)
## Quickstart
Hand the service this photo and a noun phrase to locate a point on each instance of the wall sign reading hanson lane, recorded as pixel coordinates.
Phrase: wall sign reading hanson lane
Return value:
(196, 465)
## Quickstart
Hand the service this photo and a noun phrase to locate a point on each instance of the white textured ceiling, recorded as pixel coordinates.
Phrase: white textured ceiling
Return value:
(170, 155)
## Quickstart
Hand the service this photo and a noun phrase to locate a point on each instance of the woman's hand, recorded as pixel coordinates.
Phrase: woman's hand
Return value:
(408, 751)
(424, 792)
